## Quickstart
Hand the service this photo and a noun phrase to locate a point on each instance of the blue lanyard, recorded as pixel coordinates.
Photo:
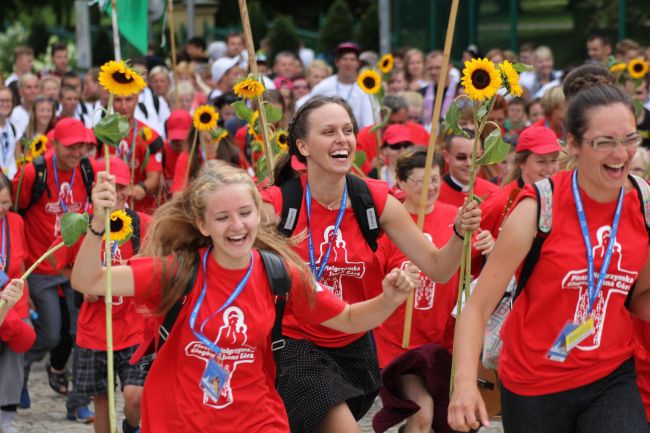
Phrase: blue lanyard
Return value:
(318, 272)
(3, 262)
(594, 291)
(349, 92)
(58, 187)
(195, 311)
(113, 250)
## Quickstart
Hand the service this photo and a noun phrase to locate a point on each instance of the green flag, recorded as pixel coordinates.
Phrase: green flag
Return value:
(133, 22)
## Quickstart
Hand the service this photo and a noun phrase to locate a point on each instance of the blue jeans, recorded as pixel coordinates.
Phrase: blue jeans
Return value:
(611, 404)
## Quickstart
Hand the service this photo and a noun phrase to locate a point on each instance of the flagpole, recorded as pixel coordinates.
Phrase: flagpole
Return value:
(252, 63)
(435, 121)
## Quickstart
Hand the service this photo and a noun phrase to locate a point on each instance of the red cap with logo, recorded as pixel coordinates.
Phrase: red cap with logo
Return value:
(179, 125)
(539, 140)
(69, 131)
(397, 134)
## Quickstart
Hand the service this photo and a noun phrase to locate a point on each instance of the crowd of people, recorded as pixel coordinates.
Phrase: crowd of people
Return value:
(347, 245)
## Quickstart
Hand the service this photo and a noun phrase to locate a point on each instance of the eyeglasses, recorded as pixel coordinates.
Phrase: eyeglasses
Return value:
(607, 144)
(435, 180)
(398, 146)
(460, 157)
(5, 101)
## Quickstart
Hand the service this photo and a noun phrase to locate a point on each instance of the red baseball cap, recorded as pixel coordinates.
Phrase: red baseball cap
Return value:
(179, 124)
(120, 169)
(539, 140)
(397, 134)
(90, 136)
(69, 131)
(347, 47)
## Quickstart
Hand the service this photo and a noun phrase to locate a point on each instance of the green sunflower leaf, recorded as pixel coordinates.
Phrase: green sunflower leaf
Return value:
(522, 67)
(242, 111)
(452, 117)
(386, 112)
(482, 110)
(359, 158)
(112, 129)
(496, 149)
(273, 113)
(73, 225)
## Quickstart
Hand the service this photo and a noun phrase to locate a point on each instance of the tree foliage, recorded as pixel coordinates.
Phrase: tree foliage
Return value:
(259, 26)
(338, 27)
(283, 36)
(368, 32)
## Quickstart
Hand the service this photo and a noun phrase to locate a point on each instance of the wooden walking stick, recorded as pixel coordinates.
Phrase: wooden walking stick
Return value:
(252, 64)
(435, 121)
(172, 41)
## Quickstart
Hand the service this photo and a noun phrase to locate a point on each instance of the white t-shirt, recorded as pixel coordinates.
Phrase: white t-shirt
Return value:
(154, 118)
(8, 150)
(360, 102)
(20, 119)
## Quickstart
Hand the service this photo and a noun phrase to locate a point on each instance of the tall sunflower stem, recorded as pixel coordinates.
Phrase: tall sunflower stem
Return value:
(40, 260)
(20, 185)
(268, 151)
(186, 180)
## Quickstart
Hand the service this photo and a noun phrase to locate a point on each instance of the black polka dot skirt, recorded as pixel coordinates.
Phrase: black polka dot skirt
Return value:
(314, 379)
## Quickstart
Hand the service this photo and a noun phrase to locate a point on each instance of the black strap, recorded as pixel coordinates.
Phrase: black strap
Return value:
(156, 102)
(87, 175)
(40, 182)
(156, 146)
(143, 108)
(362, 204)
(174, 311)
(136, 238)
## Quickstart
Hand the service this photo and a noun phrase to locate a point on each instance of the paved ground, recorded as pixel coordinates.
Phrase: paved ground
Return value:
(47, 414)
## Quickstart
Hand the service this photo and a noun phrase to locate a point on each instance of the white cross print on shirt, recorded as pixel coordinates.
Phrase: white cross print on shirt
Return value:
(617, 281)
(334, 273)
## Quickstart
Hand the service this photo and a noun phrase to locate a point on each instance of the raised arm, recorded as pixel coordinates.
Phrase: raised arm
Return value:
(88, 275)
(466, 408)
(439, 264)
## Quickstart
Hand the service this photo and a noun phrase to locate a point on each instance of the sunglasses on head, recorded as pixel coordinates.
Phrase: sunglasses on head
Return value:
(398, 146)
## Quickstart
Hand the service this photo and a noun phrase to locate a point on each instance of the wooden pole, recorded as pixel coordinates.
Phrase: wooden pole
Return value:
(252, 64)
(172, 41)
(435, 121)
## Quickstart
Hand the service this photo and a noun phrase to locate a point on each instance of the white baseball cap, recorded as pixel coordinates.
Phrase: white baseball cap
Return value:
(223, 65)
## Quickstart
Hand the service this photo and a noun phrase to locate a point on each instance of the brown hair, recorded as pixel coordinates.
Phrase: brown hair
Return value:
(415, 157)
(227, 151)
(174, 231)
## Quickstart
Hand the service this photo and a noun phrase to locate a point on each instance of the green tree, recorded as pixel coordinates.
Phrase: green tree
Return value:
(368, 31)
(338, 27)
(283, 36)
(259, 27)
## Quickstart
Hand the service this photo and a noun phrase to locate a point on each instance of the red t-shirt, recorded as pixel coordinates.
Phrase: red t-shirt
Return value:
(556, 293)
(452, 194)
(171, 156)
(145, 140)
(17, 254)
(494, 207)
(642, 361)
(43, 218)
(172, 400)
(128, 323)
(433, 302)
(352, 268)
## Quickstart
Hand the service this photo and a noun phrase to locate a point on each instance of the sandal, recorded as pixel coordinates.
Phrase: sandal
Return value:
(58, 381)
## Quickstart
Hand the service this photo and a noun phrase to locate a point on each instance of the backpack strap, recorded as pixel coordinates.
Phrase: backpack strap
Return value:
(87, 175)
(143, 108)
(279, 280)
(40, 181)
(364, 209)
(544, 191)
(291, 203)
(643, 189)
(156, 146)
(171, 316)
(156, 102)
(136, 238)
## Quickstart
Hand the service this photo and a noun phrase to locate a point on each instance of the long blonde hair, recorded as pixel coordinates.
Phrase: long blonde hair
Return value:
(174, 231)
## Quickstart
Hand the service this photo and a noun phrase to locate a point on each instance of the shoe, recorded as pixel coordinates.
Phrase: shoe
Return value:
(128, 428)
(58, 381)
(25, 401)
(8, 422)
(82, 415)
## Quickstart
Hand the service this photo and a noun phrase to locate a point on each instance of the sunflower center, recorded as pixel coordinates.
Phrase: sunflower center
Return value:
(480, 79)
(205, 117)
(121, 77)
(637, 67)
(282, 139)
(117, 225)
(369, 82)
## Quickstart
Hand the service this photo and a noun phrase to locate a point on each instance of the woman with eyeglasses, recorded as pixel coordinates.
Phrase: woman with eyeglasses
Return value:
(420, 374)
(566, 363)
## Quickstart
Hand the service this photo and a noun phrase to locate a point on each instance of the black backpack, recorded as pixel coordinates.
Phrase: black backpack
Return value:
(362, 204)
(40, 181)
(280, 283)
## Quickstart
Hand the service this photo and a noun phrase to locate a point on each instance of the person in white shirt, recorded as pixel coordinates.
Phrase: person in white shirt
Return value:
(543, 77)
(225, 73)
(28, 90)
(23, 63)
(7, 135)
(344, 85)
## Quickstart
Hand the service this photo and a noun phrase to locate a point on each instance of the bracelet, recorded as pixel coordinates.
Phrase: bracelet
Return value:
(458, 234)
(99, 234)
(142, 185)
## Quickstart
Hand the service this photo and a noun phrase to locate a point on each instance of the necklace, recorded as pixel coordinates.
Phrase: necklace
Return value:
(328, 206)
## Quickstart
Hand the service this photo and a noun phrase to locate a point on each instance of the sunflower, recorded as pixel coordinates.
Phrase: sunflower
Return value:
(281, 138)
(618, 68)
(38, 146)
(253, 123)
(480, 79)
(121, 226)
(637, 68)
(147, 134)
(369, 81)
(216, 135)
(511, 78)
(385, 64)
(249, 88)
(205, 118)
(120, 79)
